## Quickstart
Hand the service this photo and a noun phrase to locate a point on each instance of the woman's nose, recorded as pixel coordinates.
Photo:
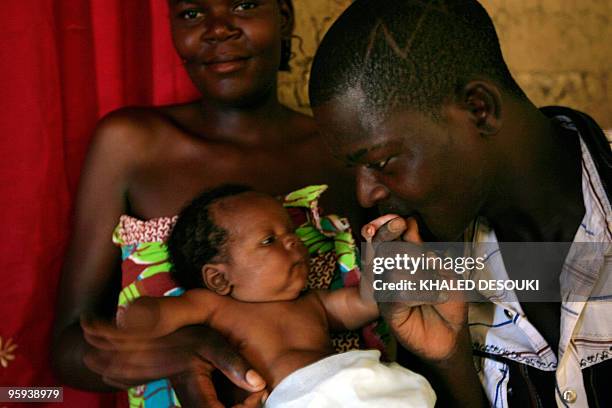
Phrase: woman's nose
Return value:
(369, 190)
(219, 27)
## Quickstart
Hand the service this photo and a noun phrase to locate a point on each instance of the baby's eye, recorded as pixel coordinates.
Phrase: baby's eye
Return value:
(268, 240)
(190, 14)
(378, 165)
(245, 5)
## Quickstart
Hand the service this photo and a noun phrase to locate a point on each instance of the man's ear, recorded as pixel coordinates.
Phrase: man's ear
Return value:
(483, 101)
(215, 278)
(287, 18)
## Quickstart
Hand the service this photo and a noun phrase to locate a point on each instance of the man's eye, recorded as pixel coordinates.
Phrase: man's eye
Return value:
(378, 165)
(245, 5)
(190, 14)
(269, 240)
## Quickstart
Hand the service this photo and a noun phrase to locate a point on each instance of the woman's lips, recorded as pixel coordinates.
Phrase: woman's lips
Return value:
(226, 66)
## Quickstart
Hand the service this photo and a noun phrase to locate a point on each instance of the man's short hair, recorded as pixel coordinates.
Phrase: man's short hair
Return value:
(408, 53)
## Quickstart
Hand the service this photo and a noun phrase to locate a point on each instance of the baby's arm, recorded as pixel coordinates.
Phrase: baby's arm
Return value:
(160, 316)
(347, 309)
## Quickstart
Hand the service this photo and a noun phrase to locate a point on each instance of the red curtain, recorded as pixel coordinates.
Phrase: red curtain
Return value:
(63, 64)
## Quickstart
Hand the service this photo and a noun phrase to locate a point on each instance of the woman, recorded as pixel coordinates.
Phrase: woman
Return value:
(149, 162)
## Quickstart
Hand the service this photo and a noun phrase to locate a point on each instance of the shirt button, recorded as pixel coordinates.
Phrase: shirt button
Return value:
(569, 396)
(508, 313)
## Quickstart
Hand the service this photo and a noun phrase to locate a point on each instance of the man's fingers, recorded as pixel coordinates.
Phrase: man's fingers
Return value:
(453, 312)
(369, 230)
(390, 227)
(391, 230)
(412, 232)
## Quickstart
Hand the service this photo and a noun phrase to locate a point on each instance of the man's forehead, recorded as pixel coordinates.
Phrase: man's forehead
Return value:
(350, 139)
(348, 111)
(357, 150)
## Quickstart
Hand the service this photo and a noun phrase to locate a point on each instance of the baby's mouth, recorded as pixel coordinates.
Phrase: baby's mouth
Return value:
(303, 262)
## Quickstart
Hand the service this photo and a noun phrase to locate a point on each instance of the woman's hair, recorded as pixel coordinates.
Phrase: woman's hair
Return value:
(286, 42)
(196, 240)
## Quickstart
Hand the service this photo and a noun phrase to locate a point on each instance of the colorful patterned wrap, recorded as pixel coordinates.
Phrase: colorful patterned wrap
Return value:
(333, 264)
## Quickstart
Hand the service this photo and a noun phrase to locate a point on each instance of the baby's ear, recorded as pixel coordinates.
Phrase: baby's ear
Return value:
(216, 279)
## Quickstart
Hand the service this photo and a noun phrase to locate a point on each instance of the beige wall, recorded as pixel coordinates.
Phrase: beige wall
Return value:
(313, 18)
(560, 51)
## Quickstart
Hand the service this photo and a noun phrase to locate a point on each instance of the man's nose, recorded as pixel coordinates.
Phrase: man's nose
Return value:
(219, 27)
(369, 190)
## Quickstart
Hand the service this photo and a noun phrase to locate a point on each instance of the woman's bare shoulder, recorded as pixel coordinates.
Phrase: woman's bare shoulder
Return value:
(139, 121)
(139, 129)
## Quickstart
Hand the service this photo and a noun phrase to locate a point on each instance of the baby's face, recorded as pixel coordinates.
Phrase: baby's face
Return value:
(267, 261)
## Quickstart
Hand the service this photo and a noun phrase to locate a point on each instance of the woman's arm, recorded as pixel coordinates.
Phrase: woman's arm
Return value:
(91, 278)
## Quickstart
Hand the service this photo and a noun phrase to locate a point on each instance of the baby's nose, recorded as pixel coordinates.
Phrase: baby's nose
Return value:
(291, 241)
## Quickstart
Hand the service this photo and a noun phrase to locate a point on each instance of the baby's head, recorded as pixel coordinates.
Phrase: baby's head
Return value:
(238, 242)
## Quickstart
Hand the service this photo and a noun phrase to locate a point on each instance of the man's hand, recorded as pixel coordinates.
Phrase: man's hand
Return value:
(429, 330)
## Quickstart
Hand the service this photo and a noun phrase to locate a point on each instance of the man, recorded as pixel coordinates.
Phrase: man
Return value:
(417, 97)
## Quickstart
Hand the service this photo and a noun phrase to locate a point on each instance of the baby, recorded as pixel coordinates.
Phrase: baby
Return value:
(246, 271)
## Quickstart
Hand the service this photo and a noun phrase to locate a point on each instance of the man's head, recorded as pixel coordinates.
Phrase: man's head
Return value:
(238, 242)
(411, 93)
(408, 53)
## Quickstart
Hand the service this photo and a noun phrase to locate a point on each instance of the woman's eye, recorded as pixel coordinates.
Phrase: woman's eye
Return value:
(269, 240)
(245, 5)
(190, 14)
(378, 165)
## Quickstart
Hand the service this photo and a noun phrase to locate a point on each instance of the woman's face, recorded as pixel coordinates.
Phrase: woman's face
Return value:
(231, 48)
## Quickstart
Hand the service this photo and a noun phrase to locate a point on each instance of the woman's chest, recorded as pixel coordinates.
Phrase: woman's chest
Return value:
(162, 187)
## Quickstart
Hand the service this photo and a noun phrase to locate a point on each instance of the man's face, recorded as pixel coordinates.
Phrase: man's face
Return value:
(408, 164)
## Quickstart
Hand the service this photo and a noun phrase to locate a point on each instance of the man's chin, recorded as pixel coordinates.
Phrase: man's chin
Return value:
(441, 234)
(427, 235)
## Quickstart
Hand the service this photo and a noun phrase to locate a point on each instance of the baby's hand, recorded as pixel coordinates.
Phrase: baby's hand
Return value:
(141, 316)
(392, 227)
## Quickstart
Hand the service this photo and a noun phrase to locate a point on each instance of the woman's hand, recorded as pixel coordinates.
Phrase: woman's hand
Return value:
(188, 357)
